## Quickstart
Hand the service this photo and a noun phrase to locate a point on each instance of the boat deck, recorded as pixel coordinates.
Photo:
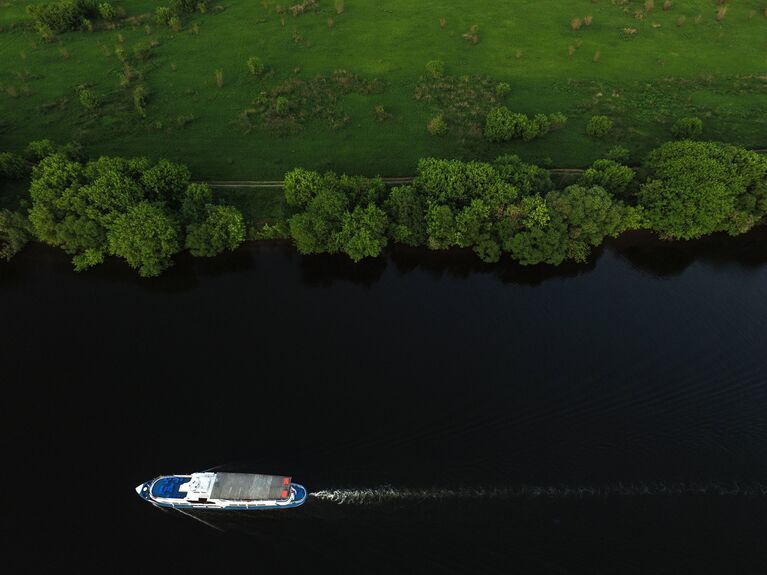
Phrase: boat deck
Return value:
(168, 487)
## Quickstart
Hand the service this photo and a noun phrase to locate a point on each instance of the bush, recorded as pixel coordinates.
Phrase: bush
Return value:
(687, 128)
(107, 11)
(61, 16)
(619, 154)
(140, 95)
(255, 66)
(435, 68)
(163, 14)
(502, 125)
(437, 126)
(599, 126)
(501, 89)
(88, 99)
(557, 120)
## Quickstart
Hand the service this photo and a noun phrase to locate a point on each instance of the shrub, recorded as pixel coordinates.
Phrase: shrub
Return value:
(557, 120)
(281, 106)
(599, 126)
(687, 128)
(472, 35)
(437, 126)
(435, 68)
(140, 95)
(220, 78)
(255, 66)
(619, 154)
(576, 23)
(88, 99)
(340, 6)
(501, 89)
(502, 125)
(61, 16)
(174, 23)
(107, 11)
(163, 14)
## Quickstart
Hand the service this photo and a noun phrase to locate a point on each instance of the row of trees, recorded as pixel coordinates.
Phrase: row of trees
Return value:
(508, 206)
(141, 211)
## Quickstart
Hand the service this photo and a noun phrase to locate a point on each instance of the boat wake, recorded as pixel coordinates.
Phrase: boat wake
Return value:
(387, 494)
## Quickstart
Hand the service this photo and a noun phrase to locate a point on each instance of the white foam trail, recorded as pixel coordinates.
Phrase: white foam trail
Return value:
(388, 494)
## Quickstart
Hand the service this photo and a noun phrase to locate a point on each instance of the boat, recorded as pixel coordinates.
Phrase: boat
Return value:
(232, 491)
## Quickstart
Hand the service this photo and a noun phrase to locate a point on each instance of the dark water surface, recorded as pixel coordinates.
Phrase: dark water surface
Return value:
(605, 418)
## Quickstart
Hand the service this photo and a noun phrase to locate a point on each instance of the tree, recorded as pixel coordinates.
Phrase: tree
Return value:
(195, 202)
(166, 181)
(440, 226)
(599, 126)
(695, 188)
(314, 230)
(301, 186)
(406, 209)
(146, 237)
(501, 124)
(527, 178)
(13, 234)
(363, 232)
(608, 174)
(222, 229)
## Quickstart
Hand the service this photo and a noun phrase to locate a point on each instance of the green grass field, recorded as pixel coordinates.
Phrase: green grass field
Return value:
(642, 72)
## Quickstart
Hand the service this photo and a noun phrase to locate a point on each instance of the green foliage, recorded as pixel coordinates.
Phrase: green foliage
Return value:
(527, 178)
(61, 16)
(255, 66)
(610, 175)
(687, 128)
(696, 188)
(140, 96)
(14, 234)
(88, 99)
(363, 232)
(599, 126)
(13, 166)
(406, 209)
(130, 208)
(502, 125)
(146, 236)
(222, 229)
(437, 126)
(107, 11)
(502, 89)
(195, 202)
(166, 181)
(435, 68)
(618, 154)
(301, 186)
(315, 230)
(163, 14)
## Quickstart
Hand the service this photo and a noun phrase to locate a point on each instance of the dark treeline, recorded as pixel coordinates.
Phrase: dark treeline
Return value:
(688, 189)
(146, 212)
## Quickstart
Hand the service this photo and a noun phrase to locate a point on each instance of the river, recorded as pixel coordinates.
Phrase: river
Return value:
(453, 416)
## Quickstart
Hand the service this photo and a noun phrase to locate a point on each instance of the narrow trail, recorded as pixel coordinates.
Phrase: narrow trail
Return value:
(393, 181)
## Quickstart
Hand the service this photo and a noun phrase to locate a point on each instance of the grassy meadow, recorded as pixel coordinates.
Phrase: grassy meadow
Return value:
(643, 64)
